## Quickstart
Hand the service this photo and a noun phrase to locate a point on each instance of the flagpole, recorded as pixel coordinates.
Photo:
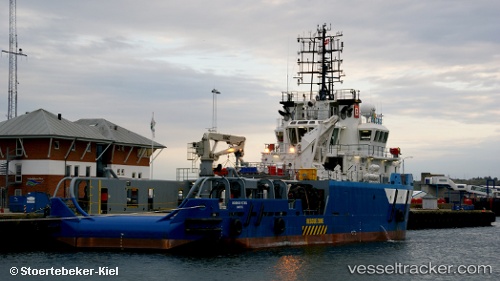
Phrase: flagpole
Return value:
(153, 123)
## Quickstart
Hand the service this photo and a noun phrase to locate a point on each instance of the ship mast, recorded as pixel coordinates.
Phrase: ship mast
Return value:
(326, 71)
(323, 92)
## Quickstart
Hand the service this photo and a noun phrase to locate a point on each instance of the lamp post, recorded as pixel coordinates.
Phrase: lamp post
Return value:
(214, 110)
(403, 161)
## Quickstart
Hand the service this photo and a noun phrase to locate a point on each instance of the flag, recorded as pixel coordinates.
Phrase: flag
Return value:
(153, 123)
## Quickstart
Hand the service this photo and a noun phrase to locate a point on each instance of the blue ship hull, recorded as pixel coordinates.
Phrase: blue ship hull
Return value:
(322, 134)
(287, 214)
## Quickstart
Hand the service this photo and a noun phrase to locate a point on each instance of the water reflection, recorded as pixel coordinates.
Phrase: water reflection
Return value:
(288, 268)
(439, 246)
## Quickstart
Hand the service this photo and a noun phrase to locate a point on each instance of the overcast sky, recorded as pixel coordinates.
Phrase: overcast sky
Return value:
(431, 67)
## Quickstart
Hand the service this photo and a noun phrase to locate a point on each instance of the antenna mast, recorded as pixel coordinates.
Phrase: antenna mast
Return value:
(13, 53)
(320, 61)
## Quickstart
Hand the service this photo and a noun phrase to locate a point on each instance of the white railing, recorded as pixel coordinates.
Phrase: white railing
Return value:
(334, 150)
(341, 94)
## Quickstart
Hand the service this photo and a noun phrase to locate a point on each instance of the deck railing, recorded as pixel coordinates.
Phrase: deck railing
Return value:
(334, 150)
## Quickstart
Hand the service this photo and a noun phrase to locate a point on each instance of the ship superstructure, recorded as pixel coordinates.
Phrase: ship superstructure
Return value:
(326, 129)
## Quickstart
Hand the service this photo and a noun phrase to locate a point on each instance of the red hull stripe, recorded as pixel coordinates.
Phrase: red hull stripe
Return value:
(311, 236)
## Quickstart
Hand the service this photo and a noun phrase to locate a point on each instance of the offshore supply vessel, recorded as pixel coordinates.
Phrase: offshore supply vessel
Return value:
(328, 179)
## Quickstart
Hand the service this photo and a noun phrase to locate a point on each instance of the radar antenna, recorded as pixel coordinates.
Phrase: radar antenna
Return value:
(319, 57)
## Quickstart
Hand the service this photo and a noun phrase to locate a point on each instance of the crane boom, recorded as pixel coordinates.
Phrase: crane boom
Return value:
(206, 149)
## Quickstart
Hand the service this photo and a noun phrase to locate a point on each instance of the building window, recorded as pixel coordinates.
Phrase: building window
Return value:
(56, 144)
(120, 148)
(133, 175)
(144, 152)
(19, 147)
(87, 171)
(77, 171)
(67, 173)
(73, 146)
(18, 192)
(89, 147)
(139, 175)
(19, 173)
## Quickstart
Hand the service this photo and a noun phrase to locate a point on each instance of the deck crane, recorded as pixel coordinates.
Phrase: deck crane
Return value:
(206, 150)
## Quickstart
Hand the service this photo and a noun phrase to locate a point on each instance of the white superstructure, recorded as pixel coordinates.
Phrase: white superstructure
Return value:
(326, 130)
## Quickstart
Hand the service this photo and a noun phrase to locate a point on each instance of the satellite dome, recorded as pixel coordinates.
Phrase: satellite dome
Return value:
(367, 109)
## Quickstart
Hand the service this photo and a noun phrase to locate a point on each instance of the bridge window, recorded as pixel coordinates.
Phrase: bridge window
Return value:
(386, 136)
(279, 136)
(335, 136)
(365, 135)
(292, 135)
(302, 132)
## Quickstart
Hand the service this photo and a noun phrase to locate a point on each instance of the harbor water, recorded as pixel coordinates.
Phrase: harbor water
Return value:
(435, 254)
